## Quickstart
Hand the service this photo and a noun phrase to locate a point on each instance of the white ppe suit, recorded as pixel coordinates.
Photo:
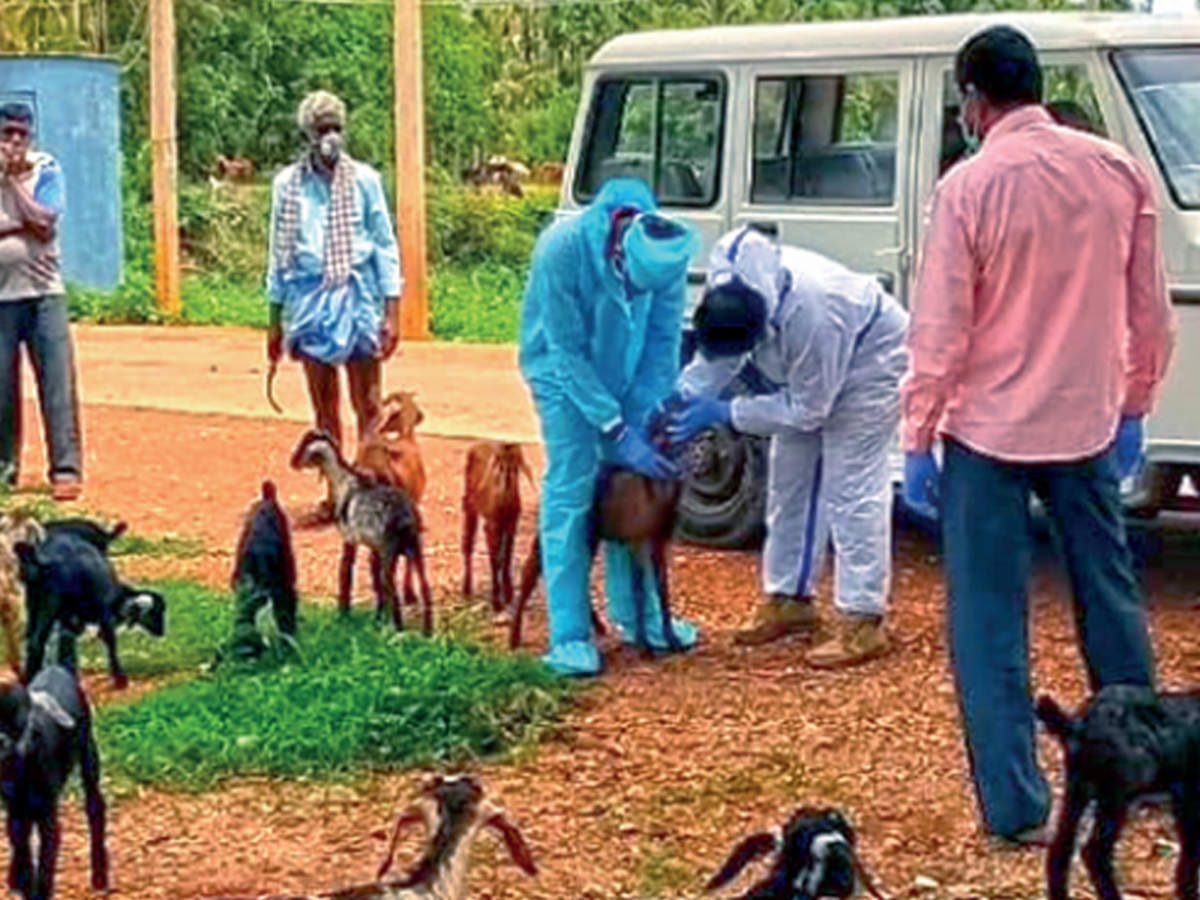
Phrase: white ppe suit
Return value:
(832, 354)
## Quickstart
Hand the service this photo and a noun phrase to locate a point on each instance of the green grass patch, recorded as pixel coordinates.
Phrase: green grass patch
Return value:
(480, 303)
(358, 697)
(172, 545)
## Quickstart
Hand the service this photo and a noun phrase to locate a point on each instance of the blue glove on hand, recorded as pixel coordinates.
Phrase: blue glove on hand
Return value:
(658, 413)
(921, 482)
(1130, 457)
(633, 451)
(694, 415)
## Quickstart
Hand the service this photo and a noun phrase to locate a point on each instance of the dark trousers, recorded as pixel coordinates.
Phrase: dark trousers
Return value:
(40, 325)
(988, 548)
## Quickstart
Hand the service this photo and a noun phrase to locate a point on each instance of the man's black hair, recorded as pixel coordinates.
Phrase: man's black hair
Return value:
(1003, 65)
(16, 111)
(730, 319)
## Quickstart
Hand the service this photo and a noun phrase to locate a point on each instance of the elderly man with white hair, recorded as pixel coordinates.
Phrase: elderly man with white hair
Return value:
(333, 276)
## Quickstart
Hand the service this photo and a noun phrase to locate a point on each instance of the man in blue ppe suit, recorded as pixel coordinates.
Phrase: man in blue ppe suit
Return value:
(831, 343)
(600, 333)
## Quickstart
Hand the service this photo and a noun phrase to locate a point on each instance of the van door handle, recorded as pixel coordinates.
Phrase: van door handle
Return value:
(770, 229)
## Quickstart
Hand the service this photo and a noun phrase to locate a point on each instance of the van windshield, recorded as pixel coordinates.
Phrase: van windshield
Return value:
(1164, 86)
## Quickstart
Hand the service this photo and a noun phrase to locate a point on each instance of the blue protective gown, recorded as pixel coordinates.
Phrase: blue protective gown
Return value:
(594, 352)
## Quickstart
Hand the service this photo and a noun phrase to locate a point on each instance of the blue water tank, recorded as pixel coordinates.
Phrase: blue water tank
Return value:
(77, 107)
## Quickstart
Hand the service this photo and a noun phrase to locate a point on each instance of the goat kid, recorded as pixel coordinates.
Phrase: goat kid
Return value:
(815, 856)
(492, 491)
(454, 813)
(380, 516)
(45, 731)
(264, 571)
(389, 449)
(70, 583)
(1127, 743)
(634, 510)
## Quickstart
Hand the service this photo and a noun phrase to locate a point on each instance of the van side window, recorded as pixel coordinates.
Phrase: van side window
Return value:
(666, 131)
(1069, 96)
(825, 139)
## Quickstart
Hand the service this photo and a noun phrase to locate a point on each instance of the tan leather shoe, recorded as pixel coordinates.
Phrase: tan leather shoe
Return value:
(780, 616)
(857, 640)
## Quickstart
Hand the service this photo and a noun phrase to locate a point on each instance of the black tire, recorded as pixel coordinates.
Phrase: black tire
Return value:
(725, 496)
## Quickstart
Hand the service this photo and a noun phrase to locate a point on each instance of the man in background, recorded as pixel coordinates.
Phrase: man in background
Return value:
(33, 305)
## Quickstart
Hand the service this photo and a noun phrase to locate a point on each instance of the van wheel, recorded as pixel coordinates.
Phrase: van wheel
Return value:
(725, 495)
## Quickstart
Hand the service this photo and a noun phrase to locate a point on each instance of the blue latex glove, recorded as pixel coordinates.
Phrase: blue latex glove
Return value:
(633, 451)
(921, 482)
(696, 414)
(1130, 457)
(657, 415)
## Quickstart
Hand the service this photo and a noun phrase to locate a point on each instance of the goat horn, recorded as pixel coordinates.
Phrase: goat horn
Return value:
(271, 370)
(513, 840)
(867, 880)
(410, 816)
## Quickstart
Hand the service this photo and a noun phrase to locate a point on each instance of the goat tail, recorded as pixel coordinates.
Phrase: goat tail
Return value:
(1056, 720)
(268, 491)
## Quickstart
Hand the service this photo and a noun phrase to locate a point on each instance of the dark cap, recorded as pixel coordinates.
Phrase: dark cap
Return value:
(730, 319)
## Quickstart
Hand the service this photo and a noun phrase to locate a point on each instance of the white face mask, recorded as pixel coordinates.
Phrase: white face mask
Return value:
(971, 137)
(329, 146)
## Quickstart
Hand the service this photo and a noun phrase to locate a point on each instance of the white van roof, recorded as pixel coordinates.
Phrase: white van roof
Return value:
(890, 37)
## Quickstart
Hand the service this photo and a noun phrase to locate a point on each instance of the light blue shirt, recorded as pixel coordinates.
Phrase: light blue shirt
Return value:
(334, 325)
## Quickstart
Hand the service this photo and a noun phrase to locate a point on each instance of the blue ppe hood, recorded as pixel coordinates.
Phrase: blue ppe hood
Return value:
(657, 251)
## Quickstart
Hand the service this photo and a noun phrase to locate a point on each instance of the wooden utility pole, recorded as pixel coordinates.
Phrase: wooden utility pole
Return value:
(410, 169)
(162, 142)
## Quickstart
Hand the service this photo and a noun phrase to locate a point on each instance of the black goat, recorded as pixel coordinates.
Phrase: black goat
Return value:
(814, 857)
(379, 515)
(45, 730)
(70, 583)
(1128, 743)
(264, 571)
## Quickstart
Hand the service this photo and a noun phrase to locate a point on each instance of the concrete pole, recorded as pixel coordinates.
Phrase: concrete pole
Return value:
(410, 169)
(165, 165)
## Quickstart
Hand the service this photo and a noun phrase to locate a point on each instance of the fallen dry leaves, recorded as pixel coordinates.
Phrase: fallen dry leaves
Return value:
(659, 768)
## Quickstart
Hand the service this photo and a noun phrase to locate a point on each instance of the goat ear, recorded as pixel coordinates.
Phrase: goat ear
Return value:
(410, 816)
(517, 848)
(752, 848)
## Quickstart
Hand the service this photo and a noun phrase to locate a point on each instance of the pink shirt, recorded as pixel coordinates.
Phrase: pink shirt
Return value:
(1040, 313)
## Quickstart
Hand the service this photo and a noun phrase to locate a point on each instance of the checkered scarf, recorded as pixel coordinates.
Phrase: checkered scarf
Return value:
(339, 227)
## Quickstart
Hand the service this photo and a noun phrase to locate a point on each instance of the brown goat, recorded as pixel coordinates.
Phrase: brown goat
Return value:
(492, 491)
(637, 511)
(389, 450)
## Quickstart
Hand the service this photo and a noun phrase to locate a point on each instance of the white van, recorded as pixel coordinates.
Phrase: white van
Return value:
(831, 136)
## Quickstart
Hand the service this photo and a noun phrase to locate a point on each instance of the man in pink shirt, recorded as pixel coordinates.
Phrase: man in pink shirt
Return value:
(1040, 333)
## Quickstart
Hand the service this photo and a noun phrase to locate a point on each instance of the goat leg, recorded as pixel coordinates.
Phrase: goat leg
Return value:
(658, 565)
(1058, 858)
(641, 565)
(470, 525)
(389, 581)
(48, 841)
(507, 544)
(345, 578)
(530, 572)
(1098, 851)
(495, 540)
(109, 635)
(378, 585)
(20, 867)
(95, 808)
(416, 559)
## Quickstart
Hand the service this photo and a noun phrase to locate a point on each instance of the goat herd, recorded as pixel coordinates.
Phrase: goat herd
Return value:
(1128, 744)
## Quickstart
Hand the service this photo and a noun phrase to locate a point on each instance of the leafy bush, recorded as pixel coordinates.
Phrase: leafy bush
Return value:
(476, 303)
(358, 697)
(467, 227)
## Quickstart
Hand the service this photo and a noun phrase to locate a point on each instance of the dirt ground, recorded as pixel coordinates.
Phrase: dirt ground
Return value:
(659, 769)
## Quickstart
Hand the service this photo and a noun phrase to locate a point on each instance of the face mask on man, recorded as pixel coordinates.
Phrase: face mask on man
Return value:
(969, 128)
(329, 146)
